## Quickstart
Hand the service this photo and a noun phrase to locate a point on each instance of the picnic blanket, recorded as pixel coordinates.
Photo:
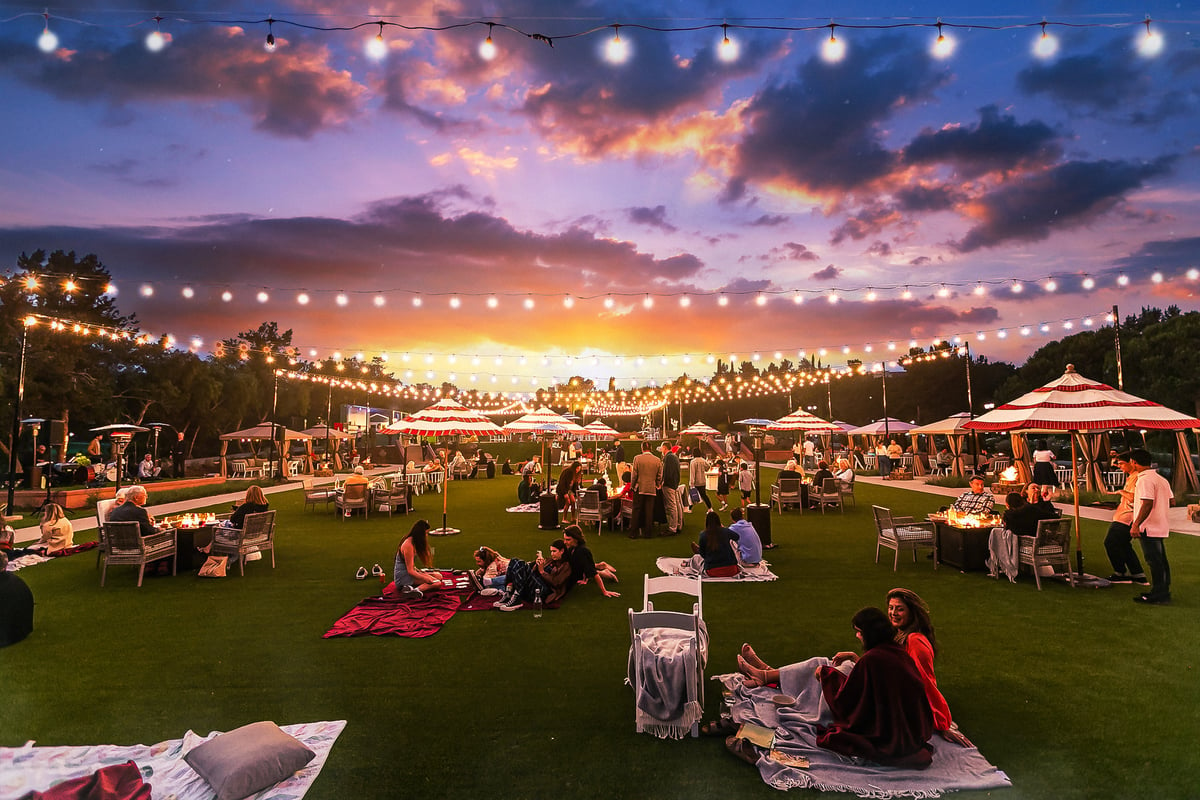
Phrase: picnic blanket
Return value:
(25, 557)
(29, 768)
(524, 507)
(954, 767)
(669, 668)
(393, 614)
(683, 566)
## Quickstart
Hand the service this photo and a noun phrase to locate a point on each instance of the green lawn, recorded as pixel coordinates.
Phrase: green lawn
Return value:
(1074, 693)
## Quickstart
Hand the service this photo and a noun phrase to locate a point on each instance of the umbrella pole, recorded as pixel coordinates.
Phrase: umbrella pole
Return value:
(1075, 489)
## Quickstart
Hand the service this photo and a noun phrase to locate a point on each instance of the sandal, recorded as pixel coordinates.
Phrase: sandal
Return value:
(742, 749)
(719, 727)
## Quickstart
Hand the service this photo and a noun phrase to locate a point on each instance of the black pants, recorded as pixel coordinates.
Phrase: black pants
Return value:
(703, 495)
(1119, 546)
(643, 515)
(1155, 551)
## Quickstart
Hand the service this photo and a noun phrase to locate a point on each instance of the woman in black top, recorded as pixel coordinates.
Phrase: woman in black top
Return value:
(255, 502)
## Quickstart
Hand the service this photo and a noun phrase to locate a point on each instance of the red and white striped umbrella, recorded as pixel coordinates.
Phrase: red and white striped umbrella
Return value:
(445, 418)
(1075, 403)
(600, 430)
(543, 421)
(699, 429)
(801, 420)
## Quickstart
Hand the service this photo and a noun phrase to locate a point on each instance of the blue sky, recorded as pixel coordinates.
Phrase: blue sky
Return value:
(549, 173)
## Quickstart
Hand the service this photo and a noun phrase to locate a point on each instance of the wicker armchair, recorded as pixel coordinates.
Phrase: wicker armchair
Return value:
(830, 494)
(354, 495)
(126, 545)
(899, 533)
(398, 497)
(312, 495)
(256, 535)
(102, 509)
(1051, 547)
(787, 492)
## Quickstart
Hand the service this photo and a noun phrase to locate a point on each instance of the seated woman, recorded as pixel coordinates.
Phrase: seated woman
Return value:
(524, 580)
(490, 569)
(1021, 518)
(584, 568)
(879, 706)
(844, 473)
(527, 490)
(409, 579)
(716, 553)
(791, 470)
(818, 478)
(913, 628)
(255, 502)
(57, 533)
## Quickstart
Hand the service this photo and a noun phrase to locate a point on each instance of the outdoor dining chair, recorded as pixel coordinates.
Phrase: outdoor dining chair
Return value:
(787, 492)
(902, 533)
(1051, 547)
(126, 545)
(829, 495)
(256, 535)
(589, 509)
(353, 496)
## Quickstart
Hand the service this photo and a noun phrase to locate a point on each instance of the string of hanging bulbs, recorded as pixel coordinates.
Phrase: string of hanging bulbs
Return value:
(617, 50)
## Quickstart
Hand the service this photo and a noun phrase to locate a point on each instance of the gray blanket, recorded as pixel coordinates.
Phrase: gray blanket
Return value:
(671, 672)
(954, 767)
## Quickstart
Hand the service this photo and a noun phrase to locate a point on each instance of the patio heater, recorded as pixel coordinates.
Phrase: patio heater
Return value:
(16, 425)
(757, 514)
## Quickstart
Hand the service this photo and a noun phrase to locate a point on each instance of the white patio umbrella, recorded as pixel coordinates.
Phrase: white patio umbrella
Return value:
(601, 431)
(801, 420)
(544, 421)
(446, 418)
(699, 429)
(882, 426)
(1076, 405)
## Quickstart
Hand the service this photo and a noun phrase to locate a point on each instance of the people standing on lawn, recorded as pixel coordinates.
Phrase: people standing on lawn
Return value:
(647, 472)
(672, 499)
(697, 478)
(1152, 499)
(567, 490)
(745, 480)
(178, 456)
(1043, 465)
(1118, 542)
(722, 484)
(409, 578)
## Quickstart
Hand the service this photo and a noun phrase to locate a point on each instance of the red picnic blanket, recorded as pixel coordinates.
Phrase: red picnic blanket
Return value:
(411, 617)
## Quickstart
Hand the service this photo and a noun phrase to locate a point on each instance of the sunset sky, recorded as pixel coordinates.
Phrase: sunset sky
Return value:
(550, 177)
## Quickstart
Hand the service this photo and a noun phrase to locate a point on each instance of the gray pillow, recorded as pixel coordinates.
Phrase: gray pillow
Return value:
(247, 760)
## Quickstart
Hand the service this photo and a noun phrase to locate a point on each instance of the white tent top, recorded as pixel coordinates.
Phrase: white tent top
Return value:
(801, 420)
(955, 423)
(445, 418)
(876, 428)
(264, 431)
(598, 428)
(699, 429)
(326, 432)
(1075, 403)
(543, 420)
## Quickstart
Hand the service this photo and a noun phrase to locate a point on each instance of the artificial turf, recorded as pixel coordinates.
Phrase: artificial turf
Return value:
(1074, 693)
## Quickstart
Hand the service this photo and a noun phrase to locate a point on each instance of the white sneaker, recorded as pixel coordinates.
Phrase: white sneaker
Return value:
(723, 506)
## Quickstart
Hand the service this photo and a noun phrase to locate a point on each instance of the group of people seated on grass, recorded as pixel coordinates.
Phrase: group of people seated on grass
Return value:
(723, 551)
(885, 703)
(515, 581)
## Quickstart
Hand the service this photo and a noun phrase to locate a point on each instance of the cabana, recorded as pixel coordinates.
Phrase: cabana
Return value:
(265, 431)
(955, 431)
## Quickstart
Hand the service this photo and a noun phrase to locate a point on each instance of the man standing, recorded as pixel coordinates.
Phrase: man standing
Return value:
(1118, 543)
(672, 500)
(697, 475)
(810, 454)
(178, 456)
(647, 479)
(1152, 498)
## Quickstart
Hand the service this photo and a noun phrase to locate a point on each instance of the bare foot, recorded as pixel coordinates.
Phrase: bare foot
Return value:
(752, 657)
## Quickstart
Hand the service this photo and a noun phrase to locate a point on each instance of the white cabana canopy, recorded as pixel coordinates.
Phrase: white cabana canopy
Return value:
(543, 421)
(265, 430)
(804, 422)
(699, 429)
(879, 427)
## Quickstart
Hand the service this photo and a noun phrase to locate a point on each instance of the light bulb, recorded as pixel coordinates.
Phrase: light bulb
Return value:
(1046, 45)
(1151, 44)
(377, 47)
(156, 41)
(943, 46)
(727, 49)
(616, 51)
(487, 50)
(47, 42)
(833, 50)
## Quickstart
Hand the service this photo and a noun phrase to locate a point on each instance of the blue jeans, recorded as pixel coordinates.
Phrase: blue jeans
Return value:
(1155, 551)
(1119, 546)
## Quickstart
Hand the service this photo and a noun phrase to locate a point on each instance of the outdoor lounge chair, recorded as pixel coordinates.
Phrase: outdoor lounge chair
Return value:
(589, 508)
(354, 495)
(256, 534)
(1051, 547)
(397, 498)
(126, 545)
(901, 533)
(829, 495)
(787, 492)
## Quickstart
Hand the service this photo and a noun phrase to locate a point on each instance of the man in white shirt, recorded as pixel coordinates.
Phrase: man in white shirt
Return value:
(1152, 498)
(148, 470)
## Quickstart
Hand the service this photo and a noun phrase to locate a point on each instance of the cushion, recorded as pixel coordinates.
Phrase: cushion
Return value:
(247, 760)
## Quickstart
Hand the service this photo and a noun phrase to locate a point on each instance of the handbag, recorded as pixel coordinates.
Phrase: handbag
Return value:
(214, 567)
(695, 495)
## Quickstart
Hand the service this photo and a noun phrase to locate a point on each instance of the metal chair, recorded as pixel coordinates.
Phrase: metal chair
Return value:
(312, 495)
(847, 491)
(256, 534)
(354, 495)
(126, 545)
(103, 507)
(399, 496)
(900, 533)
(1051, 547)
(787, 492)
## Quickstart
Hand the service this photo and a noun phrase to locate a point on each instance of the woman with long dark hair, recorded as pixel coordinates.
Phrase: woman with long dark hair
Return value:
(717, 549)
(409, 579)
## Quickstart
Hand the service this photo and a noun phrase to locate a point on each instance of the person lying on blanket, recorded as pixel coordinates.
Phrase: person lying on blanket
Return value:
(880, 711)
(913, 630)
(490, 569)
(527, 580)
(584, 567)
(716, 553)
(409, 579)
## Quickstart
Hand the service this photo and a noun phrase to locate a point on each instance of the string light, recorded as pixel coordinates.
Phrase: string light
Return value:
(616, 51)
(269, 44)
(156, 41)
(487, 50)
(47, 42)
(833, 50)
(728, 49)
(377, 47)
(1046, 45)
(1151, 44)
(943, 46)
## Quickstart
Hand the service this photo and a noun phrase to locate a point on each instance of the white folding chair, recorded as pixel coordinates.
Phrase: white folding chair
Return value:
(678, 584)
(662, 625)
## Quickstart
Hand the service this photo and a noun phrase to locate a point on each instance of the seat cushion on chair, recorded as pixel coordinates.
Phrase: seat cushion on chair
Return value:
(911, 533)
(248, 759)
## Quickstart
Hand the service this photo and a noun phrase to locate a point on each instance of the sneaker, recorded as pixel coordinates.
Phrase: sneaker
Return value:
(502, 601)
(491, 591)
(1118, 577)
(478, 584)
(411, 591)
(377, 571)
(1140, 580)
(723, 506)
(361, 574)
(514, 604)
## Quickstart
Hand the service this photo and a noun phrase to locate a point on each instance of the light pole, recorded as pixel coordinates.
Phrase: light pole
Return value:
(16, 424)
(970, 402)
(274, 431)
